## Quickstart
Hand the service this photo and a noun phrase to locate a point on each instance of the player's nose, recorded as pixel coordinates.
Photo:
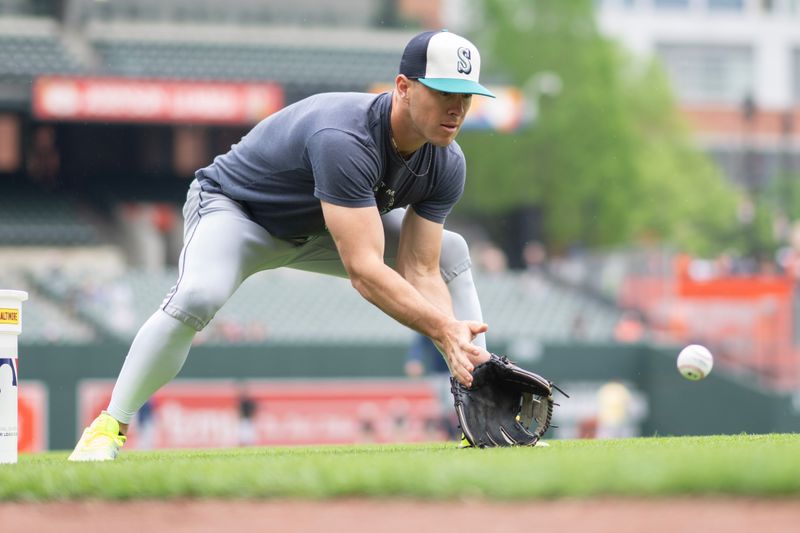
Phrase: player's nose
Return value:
(458, 105)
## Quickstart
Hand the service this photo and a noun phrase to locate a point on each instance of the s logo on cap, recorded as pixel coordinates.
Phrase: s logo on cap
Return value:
(445, 62)
(464, 63)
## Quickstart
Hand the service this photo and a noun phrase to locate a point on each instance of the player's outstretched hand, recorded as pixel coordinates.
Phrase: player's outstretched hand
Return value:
(460, 354)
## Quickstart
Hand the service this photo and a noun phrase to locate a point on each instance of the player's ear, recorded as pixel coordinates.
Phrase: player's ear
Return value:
(402, 86)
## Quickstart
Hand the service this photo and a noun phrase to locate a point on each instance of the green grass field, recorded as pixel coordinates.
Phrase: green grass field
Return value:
(743, 465)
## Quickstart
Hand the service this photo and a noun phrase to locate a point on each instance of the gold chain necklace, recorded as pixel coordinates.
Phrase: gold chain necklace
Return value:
(403, 159)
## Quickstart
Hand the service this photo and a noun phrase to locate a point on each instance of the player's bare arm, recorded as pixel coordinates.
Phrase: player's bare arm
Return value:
(358, 234)
(418, 262)
(418, 258)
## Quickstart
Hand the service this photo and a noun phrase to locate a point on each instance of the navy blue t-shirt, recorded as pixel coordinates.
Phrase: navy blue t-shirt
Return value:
(334, 147)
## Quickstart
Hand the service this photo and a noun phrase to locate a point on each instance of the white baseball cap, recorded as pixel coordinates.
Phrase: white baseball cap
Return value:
(444, 62)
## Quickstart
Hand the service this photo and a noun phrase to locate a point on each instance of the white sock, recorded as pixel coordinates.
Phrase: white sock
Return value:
(156, 356)
(466, 305)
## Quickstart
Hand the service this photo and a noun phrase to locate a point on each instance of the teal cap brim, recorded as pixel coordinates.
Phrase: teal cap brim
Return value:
(455, 85)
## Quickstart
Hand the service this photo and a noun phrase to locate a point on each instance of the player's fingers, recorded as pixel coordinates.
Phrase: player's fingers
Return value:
(463, 375)
(477, 355)
(469, 367)
(467, 364)
(476, 328)
(484, 355)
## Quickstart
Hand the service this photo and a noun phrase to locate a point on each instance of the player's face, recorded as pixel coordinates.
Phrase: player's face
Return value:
(437, 116)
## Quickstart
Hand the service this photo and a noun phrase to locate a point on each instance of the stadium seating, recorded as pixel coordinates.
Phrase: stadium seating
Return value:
(292, 306)
(239, 12)
(524, 305)
(32, 219)
(27, 56)
(24, 55)
(44, 320)
(291, 66)
(28, 8)
(35, 46)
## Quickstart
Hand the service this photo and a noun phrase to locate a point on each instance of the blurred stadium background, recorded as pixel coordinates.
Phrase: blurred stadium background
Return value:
(631, 190)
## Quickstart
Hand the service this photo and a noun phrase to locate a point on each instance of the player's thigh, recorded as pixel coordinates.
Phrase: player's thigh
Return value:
(222, 247)
(392, 225)
(321, 256)
(318, 255)
(222, 243)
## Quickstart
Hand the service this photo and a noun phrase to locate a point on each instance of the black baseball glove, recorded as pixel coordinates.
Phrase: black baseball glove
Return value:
(506, 405)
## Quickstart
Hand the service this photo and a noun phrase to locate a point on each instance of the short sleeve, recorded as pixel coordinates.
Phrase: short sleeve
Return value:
(345, 170)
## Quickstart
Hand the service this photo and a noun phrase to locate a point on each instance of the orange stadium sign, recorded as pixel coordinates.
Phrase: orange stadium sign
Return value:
(153, 101)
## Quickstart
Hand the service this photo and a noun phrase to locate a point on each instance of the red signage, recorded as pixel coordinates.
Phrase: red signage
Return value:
(152, 101)
(33, 416)
(223, 413)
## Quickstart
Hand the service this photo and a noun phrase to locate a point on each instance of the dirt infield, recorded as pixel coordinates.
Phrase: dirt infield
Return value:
(404, 516)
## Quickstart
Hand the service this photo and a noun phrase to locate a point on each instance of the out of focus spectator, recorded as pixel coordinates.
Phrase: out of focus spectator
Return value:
(489, 258)
(43, 162)
(578, 327)
(631, 327)
(146, 426)
(424, 359)
(614, 403)
(535, 256)
(247, 412)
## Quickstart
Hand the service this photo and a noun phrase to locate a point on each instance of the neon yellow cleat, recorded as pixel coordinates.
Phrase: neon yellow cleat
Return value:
(101, 441)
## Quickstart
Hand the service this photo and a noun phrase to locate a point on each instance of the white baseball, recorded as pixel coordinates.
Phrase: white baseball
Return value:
(695, 362)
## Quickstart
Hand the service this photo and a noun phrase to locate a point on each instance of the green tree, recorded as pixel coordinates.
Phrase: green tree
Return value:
(608, 159)
(681, 197)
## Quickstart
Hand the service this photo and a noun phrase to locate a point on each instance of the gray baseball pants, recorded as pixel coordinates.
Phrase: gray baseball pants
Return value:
(223, 247)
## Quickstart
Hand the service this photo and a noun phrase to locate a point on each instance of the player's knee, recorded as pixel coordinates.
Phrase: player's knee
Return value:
(454, 258)
(199, 302)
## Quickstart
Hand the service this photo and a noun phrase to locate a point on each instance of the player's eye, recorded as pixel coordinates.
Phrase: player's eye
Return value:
(466, 97)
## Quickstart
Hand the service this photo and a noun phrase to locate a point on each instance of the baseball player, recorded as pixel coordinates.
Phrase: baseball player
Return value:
(345, 184)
